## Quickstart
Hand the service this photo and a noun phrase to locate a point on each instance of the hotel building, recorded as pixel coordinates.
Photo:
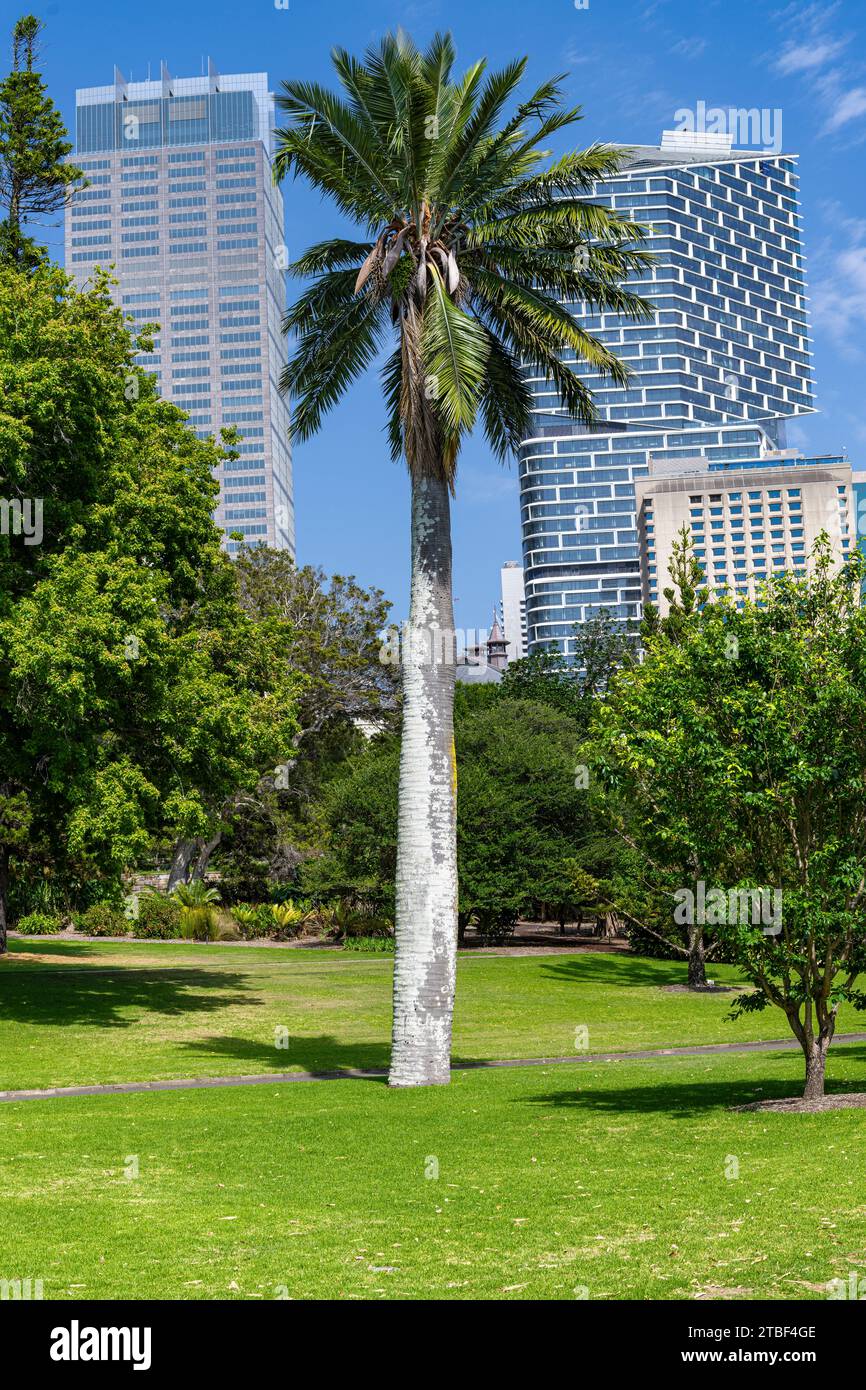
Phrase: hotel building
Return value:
(745, 524)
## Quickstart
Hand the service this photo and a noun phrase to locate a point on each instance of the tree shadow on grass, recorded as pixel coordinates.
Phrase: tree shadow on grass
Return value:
(314, 1054)
(100, 999)
(684, 1100)
(59, 947)
(623, 970)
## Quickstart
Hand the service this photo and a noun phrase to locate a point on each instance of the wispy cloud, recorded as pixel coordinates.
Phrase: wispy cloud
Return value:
(805, 57)
(818, 53)
(839, 295)
(690, 48)
(847, 106)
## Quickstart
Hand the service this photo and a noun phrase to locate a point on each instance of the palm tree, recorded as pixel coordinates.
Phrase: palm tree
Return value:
(472, 245)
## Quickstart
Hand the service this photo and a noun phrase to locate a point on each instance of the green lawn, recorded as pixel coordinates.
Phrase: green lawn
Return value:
(598, 1179)
(604, 1177)
(80, 1013)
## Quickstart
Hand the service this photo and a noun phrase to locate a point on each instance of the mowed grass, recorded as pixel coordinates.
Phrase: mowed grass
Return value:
(90, 1013)
(560, 1182)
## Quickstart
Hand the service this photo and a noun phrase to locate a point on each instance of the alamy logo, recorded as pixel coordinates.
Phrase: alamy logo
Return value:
(17, 1289)
(716, 907)
(22, 518)
(746, 126)
(77, 1343)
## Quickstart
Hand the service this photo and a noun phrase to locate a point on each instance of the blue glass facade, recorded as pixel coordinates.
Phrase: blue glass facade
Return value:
(723, 363)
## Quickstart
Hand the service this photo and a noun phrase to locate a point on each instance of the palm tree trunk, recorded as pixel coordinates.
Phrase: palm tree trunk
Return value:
(426, 888)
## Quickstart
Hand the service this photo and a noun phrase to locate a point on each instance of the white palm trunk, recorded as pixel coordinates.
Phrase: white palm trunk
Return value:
(426, 917)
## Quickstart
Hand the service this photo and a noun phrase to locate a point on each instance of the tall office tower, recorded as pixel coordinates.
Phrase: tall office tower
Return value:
(181, 201)
(721, 366)
(513, 609)
(746, 524)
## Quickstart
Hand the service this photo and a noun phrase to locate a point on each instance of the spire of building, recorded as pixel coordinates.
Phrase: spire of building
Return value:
(497, 646)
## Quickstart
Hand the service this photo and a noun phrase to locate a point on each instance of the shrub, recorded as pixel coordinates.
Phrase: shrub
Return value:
(248, 921)
(495, 926)
(346, 920)
(198, 919)
(158, 918)
(286, 920)
(102, 919)
(370, 945)
(39, 924)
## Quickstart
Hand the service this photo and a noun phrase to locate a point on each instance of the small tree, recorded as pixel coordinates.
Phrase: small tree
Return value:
(743, 746)
(34, 179)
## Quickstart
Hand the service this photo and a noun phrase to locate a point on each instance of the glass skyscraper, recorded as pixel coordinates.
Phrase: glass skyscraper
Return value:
(180, 200)
(723, 363)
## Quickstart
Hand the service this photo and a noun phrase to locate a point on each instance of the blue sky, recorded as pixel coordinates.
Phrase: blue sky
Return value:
(632, 65)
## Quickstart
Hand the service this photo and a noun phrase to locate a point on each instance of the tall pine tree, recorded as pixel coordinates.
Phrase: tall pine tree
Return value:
(34, 180)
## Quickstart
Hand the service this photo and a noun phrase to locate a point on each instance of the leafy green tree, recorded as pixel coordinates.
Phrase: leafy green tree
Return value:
(333, 634)
(34, 175)
(685, 594)
(135, 693)
(742, 746)
(520, 814)
(474, 245)
(602, 646)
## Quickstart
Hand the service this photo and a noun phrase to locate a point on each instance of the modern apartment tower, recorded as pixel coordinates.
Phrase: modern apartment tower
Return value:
(723, 364)
(180, 200)
(513, 609)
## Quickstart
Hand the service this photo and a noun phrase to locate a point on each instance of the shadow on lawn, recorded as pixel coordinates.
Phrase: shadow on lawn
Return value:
(305, 1053)
(684, 1100)
(99, 999)
(322, 1053)
(598, 969)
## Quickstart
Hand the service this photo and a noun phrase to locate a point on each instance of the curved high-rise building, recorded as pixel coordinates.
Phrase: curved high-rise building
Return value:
(723, 363)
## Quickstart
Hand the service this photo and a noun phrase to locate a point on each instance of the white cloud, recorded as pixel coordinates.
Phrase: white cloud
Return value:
(806, 57)
(839, 300)
(847, 106)
(690, 48)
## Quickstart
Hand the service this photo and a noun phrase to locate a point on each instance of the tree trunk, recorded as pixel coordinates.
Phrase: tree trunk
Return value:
(180, 862)
(815, 1051)
(426, 884)
(4, 893)
(697, 967)
(205, 849)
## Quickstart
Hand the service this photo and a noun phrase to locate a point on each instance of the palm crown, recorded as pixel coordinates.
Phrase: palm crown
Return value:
(475, 249)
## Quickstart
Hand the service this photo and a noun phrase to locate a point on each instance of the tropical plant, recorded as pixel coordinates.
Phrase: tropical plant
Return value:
(247, 919)
(474, 247)
(288, 918)
(198, 920)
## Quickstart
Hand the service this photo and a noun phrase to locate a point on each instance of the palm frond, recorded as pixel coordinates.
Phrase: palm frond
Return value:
(455, 353)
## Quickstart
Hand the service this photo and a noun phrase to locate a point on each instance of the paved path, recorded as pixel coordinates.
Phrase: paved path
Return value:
(202, 1083)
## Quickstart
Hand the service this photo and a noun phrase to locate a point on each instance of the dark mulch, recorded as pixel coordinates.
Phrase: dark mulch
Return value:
(701, 989)
(796, 1105)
